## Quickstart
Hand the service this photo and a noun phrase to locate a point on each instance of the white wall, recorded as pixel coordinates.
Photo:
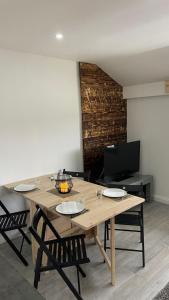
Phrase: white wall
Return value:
(148, 120)
(144, 90)
(39, 116)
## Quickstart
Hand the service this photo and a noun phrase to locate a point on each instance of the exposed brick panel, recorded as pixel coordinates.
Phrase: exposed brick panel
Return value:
(104, 112)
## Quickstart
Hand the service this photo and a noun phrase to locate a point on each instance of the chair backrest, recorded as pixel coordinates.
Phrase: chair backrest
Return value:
(41, 216)
(130, 188)
(4, 208)
(85, 175)
(40, 237)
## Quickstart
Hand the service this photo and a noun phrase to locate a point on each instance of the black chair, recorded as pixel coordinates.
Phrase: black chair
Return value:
(85, 175)
(61, 252)
(132, 217)
(12, 221)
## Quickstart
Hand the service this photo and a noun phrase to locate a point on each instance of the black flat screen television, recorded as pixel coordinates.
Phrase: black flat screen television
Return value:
(120, 161)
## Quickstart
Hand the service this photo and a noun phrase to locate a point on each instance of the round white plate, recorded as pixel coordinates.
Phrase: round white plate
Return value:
(25, 187)
(70, 208)
(114, 193)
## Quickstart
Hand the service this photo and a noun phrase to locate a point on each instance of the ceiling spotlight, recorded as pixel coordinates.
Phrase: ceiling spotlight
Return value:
(59, 36)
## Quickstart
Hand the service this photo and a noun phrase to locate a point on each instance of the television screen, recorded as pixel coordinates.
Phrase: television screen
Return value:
(121, 160)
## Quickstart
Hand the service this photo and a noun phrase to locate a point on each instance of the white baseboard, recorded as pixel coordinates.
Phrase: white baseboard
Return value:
(161, 199)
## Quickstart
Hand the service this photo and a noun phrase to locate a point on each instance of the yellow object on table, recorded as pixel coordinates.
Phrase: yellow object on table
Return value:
(64, 187)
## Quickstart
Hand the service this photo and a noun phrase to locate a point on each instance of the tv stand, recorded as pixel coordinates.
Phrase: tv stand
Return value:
(124, 177)
(137, 179)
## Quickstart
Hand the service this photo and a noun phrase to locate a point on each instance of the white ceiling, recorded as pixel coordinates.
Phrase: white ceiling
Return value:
(129, 39)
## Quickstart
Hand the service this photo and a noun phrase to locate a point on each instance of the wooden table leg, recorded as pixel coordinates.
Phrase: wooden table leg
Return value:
(34, 244)
(96, 232)
(112, 250)
(101, 248)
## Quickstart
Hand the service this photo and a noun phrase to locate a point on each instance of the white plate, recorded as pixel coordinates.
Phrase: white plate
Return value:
(70, 208)
(25, 187)
(114, 193)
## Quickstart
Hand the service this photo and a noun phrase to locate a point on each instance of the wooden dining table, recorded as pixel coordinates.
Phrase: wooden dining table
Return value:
(98, 210)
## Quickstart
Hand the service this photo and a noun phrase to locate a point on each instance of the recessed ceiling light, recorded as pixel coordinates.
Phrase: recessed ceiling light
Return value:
(59, 36)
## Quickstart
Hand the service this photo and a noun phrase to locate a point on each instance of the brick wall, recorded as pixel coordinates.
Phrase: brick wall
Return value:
(104, 113)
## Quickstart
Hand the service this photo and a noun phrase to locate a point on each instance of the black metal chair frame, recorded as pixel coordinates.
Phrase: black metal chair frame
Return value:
(14, 221)
(132, 217)
(52, 262)
(85, 175)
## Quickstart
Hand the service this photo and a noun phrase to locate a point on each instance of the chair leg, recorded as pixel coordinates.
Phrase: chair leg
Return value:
(82, 272)
(25, 236)
(78, 280)
(22, 244)
(107, 225)
(105, 236)
(141, 217)
(37, 268)
(14, 249)
(69, 284)
(142, 236)
(143, 248)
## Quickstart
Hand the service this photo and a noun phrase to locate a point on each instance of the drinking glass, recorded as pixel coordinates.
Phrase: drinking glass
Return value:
(99, 193)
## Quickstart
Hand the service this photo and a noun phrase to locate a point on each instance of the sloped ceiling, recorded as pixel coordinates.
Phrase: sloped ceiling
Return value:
(129, 39)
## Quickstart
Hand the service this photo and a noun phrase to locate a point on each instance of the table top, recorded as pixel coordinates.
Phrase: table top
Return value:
(99, 210)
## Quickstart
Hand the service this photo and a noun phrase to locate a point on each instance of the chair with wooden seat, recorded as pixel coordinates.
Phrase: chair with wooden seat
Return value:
(14, 221)
(61, 252)
(133, 217)
(85, 175)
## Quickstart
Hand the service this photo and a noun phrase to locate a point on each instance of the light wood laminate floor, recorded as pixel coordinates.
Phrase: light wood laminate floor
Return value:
(133, 281)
